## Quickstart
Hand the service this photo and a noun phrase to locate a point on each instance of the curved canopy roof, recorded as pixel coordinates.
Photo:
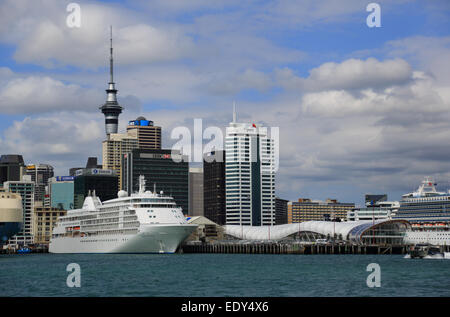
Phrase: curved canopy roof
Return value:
(351, 229)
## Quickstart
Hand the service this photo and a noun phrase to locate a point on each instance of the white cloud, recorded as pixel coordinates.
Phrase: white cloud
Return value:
(33, 94)
(351, 74)
(43, 94)
(419, 96)
(430, 54)
(64, 140)
(46, 38)
(233, 83)
(357, 74)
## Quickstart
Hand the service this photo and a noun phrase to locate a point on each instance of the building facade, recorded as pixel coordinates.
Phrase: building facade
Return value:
(91, 163)
(306, 210)
(148, 135)
(45, 219)
(249, 175)
(40, 174)
(25, 188)
(103, 182)
(163, 170)
(281, 211)
(196, 191)
(117, 145)
(61, 192)
(12, 168)
(214, 187)
(377, 207)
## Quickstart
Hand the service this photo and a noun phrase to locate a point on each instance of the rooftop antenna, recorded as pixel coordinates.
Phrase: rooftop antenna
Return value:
(154, 188)
(111, 55)
(234, 112)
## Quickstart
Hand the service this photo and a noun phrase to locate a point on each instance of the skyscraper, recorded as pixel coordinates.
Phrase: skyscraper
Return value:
(61, 190)
(40, 174)
(113, 148)
(214, 187)
(148, 135)
(25, 188)
(12, 168)
(167, 170)
(103, 182)
(196, 191)
(249, 175)
(111, 109)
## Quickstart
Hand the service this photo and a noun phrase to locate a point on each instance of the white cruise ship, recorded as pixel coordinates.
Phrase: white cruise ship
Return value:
(145, 222)
(428, 211)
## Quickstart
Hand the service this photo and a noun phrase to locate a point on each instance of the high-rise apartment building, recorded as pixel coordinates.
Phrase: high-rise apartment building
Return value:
(40, 174)
(25, 188)
(249, 175)
(214, 187)
(306, 209)
(117, 145)
(196, 191)
(148, 135)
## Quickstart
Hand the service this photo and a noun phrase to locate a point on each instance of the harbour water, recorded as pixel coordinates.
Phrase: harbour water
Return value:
(234, 275)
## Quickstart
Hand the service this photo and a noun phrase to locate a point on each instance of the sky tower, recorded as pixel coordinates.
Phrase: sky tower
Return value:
(111, 109)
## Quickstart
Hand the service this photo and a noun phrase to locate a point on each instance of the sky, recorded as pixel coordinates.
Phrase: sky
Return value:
(360, 109)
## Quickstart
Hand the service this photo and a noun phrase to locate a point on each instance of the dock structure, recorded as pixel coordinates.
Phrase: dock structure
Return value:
(291, 248)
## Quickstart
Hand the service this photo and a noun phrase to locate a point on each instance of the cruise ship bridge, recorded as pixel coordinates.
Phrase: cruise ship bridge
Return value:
(362, 232)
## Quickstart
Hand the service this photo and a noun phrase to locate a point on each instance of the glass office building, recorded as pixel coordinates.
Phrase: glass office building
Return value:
(103, 182)
(162, 169)
(61, 189)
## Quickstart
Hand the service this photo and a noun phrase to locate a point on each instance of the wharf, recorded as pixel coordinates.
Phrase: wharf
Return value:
(32, 250)
(292, 248)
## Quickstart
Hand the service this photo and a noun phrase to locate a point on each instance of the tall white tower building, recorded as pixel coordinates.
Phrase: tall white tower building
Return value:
(249, 175)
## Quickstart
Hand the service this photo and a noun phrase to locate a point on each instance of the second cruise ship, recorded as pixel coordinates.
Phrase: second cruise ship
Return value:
(428, 211)
(144, 222)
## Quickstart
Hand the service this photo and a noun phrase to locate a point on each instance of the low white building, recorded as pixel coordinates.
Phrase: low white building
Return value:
(382, 210)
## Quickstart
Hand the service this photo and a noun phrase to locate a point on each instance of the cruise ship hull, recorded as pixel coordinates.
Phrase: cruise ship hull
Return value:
(432, 237)
(150, 239)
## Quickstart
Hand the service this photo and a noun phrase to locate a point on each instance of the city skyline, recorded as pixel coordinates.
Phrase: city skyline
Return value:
(360, 110)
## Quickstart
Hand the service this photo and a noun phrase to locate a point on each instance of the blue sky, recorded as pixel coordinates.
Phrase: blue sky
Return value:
(359, 109)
